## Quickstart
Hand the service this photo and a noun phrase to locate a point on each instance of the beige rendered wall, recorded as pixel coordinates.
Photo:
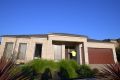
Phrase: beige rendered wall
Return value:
(116, 43)
(30, 46)
(4, 40)
(1, 50)
(67, 38)
(47, 48)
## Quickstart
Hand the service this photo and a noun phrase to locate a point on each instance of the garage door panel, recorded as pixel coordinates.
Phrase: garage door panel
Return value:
(100, 56)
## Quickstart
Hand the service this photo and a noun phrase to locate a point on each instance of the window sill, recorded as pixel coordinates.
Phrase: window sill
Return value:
(20, 61)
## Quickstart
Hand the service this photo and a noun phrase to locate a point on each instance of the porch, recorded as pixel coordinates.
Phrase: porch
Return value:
(62, 50)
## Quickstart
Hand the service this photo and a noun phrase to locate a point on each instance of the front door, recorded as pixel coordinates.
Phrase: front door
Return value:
(68, 50)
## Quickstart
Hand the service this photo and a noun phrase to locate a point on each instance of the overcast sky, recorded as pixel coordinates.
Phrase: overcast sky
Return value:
(98, 19)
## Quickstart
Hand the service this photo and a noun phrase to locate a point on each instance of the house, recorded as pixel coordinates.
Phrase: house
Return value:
(57, 46)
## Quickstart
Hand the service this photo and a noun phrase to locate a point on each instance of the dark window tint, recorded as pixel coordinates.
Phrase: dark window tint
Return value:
(38, 51)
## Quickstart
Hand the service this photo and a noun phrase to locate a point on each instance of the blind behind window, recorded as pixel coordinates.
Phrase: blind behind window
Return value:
(22, 51)
(57, 52)
(8, 49)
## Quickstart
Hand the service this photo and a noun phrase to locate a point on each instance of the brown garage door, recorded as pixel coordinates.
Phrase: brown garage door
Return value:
(100, 56)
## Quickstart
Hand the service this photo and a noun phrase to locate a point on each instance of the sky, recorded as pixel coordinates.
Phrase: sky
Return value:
(98, 19)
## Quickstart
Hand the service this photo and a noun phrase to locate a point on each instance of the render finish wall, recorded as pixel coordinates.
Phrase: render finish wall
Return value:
(30, 46)
(47, 46)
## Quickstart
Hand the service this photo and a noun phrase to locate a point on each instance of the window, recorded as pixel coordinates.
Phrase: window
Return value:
(22, 51)
(8, 49)
(57, 52)
(38, 51)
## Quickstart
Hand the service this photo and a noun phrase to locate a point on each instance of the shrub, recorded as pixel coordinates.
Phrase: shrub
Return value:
(112, 70)
(84, 71)
(40, 65)
(73, 64)
(65, 69)
(10, 71)
(68, 68)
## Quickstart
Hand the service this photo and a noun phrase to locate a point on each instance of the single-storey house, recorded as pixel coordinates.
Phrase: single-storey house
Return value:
(57, 46)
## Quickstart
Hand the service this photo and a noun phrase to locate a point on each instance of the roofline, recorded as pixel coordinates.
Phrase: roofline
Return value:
(61, 34)
(24, 36)
(44, 35)
(67, 34)
(102, 42)
(98, 41)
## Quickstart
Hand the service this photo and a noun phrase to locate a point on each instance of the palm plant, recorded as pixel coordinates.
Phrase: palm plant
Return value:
(9, 70)
(112, 70)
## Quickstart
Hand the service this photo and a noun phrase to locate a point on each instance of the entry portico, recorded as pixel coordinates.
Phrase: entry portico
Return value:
(74, 41)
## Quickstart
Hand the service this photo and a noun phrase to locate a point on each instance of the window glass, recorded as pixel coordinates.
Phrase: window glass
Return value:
(8, 49)
(57, 52)
(38, 51)
(22, 51)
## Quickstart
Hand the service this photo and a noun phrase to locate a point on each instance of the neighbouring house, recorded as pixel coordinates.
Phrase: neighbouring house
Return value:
(57, 46)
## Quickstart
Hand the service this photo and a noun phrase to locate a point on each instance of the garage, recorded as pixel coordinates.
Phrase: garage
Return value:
(100, 56)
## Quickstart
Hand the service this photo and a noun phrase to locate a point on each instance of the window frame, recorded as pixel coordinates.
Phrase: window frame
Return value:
(35, 50)
(6, 45)
(55, 57)
(18, 58)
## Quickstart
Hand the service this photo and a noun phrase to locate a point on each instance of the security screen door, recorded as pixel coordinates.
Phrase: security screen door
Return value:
(57, 52)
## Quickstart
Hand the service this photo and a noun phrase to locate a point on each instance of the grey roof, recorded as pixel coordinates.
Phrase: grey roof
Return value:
(44, 35)
(67, 34)
(30, 35)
